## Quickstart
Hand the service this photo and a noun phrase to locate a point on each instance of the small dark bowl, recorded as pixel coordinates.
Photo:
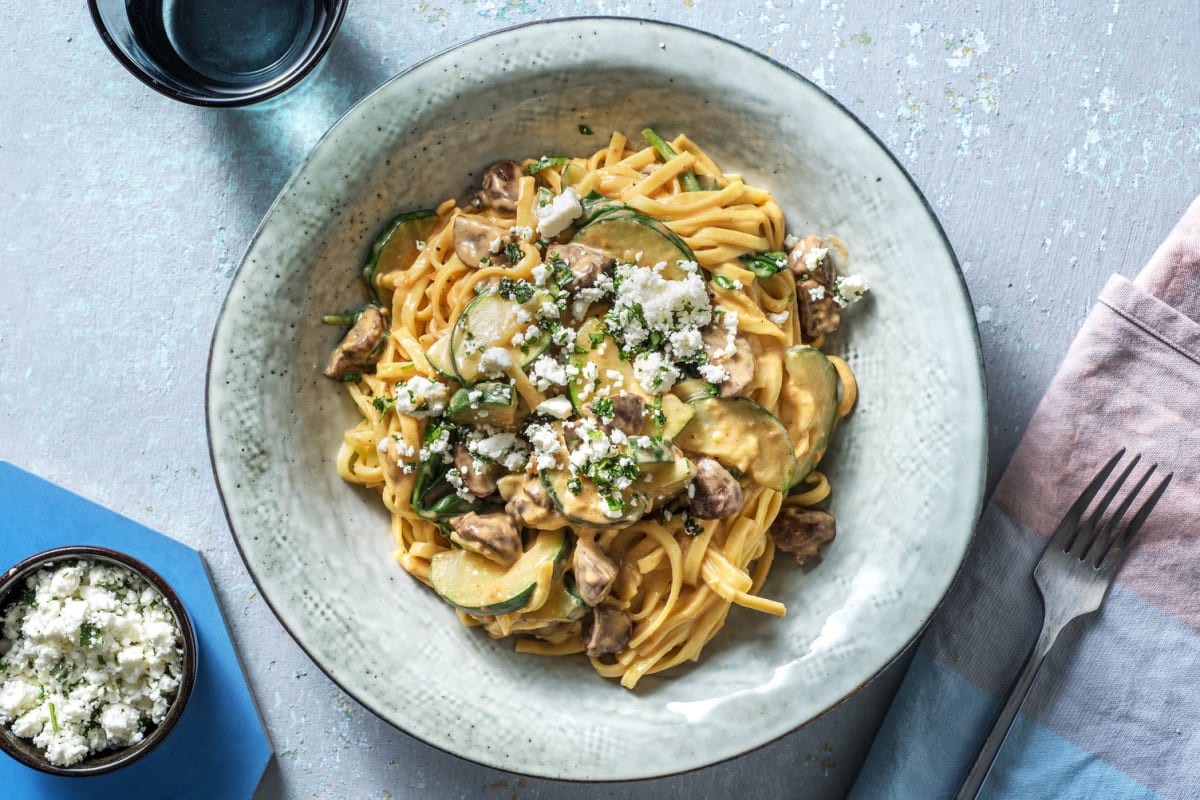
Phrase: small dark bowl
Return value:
(23, 750)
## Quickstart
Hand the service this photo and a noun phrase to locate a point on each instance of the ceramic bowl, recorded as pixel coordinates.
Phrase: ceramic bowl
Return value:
(907, 468)
(24, 750)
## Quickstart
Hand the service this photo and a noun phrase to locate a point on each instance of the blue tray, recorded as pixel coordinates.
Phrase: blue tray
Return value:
(219, 748)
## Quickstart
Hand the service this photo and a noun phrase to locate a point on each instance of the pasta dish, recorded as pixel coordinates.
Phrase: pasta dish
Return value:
(593, 397)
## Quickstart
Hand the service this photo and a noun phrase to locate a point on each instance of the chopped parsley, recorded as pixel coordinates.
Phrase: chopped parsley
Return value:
(603, 407)
(87, 634)
(691, 526)
(575, 485)
(560, 271)
(382, 405)
(512, 251)
(585, 129)
(520, 291)
(545, 162)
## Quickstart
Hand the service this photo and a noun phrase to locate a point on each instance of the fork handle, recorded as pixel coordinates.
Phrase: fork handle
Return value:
(1016, 696)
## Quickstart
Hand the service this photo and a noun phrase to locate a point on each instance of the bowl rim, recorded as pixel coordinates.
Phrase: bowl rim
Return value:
(105, 761)
(284, 82)
(978, 490)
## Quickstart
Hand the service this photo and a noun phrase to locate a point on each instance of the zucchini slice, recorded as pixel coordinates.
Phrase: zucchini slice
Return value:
(438, 356)
(588, 506)
(668, 480)
(632, 237)
(741, 434)
(492, 321)
(395, 249)
(808, 405)
(494, 403)
(601, 350)
(479, 585)
(571, 174)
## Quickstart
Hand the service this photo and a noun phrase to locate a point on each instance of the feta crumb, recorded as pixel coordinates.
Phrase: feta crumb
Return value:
(655, 372)
(494, 361)
(713, 374)
(554, 217)
(816, 293)
(421, 397)
(849, 289)
(557, 407)
(547, 372)
(779, 319)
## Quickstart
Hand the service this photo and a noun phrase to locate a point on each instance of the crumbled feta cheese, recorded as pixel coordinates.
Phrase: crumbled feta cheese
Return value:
(813, 257)
(713, 374)
(849, 289)
(655, 372)
(90, 662)
(790, 241)
(547, 372)
(421, 397)
(506, 449)
(780, 318)
(554, 217)
(494, 361)
(540, 273)
(522, 315)
(557, 407)
(816, 293)
(648, 303)
(523, 232)
(546, 445)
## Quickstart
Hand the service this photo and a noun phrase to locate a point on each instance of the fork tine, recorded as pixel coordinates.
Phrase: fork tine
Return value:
(1103, 540)
(1120, 548)
(1063, 534)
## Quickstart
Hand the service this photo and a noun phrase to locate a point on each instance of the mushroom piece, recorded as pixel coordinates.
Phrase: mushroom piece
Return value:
(586, 263)
(803, 531)
(608, 632)
(738, 363)
(501, 186)
(595, 571)
(809, 261)
(493, 536)
(715, 493)
(629, 412)
(476, 240)
(479, 477)
(530, 505)
(359, 348)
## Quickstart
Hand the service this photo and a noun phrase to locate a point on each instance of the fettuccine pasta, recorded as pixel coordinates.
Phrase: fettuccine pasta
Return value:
(593, 398)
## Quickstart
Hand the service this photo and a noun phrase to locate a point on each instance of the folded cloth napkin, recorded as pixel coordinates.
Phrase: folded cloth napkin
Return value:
(1115, 710)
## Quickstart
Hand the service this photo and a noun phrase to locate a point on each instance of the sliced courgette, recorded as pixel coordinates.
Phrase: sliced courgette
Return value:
(395, 249)
(491, 320)
(808, 405)
(632, 237)
(438, 356)
(668, 480)
(588, 506)
(597, 348)
(741, 434)
(572, 174)
(479, 585)
(489, 403)
(690, 389)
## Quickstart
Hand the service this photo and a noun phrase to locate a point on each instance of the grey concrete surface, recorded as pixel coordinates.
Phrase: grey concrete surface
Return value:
(1057, 141)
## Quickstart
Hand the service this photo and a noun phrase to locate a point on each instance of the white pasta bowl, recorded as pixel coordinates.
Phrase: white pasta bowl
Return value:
(907, 468)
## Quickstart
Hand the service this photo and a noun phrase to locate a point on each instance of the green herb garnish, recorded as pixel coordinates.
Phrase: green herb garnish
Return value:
(545, 162)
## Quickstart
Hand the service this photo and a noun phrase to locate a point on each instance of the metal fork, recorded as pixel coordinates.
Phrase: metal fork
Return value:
(1073, 576)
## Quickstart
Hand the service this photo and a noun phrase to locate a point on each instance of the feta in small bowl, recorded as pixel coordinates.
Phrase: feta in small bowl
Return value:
(97, 660)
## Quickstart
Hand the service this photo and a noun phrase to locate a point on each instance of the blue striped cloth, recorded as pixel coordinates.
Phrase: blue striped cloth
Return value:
(1115, 711)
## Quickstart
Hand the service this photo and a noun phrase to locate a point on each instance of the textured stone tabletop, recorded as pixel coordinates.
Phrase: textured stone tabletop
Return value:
(1057, 141)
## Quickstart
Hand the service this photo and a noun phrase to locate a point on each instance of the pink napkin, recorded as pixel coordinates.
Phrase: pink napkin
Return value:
(1115, 712)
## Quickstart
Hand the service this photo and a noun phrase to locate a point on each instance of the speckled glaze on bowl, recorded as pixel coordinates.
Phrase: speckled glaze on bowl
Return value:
(907, 468)
(24, 750)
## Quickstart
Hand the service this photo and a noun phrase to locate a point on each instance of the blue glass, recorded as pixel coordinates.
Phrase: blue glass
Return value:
(218, 52)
